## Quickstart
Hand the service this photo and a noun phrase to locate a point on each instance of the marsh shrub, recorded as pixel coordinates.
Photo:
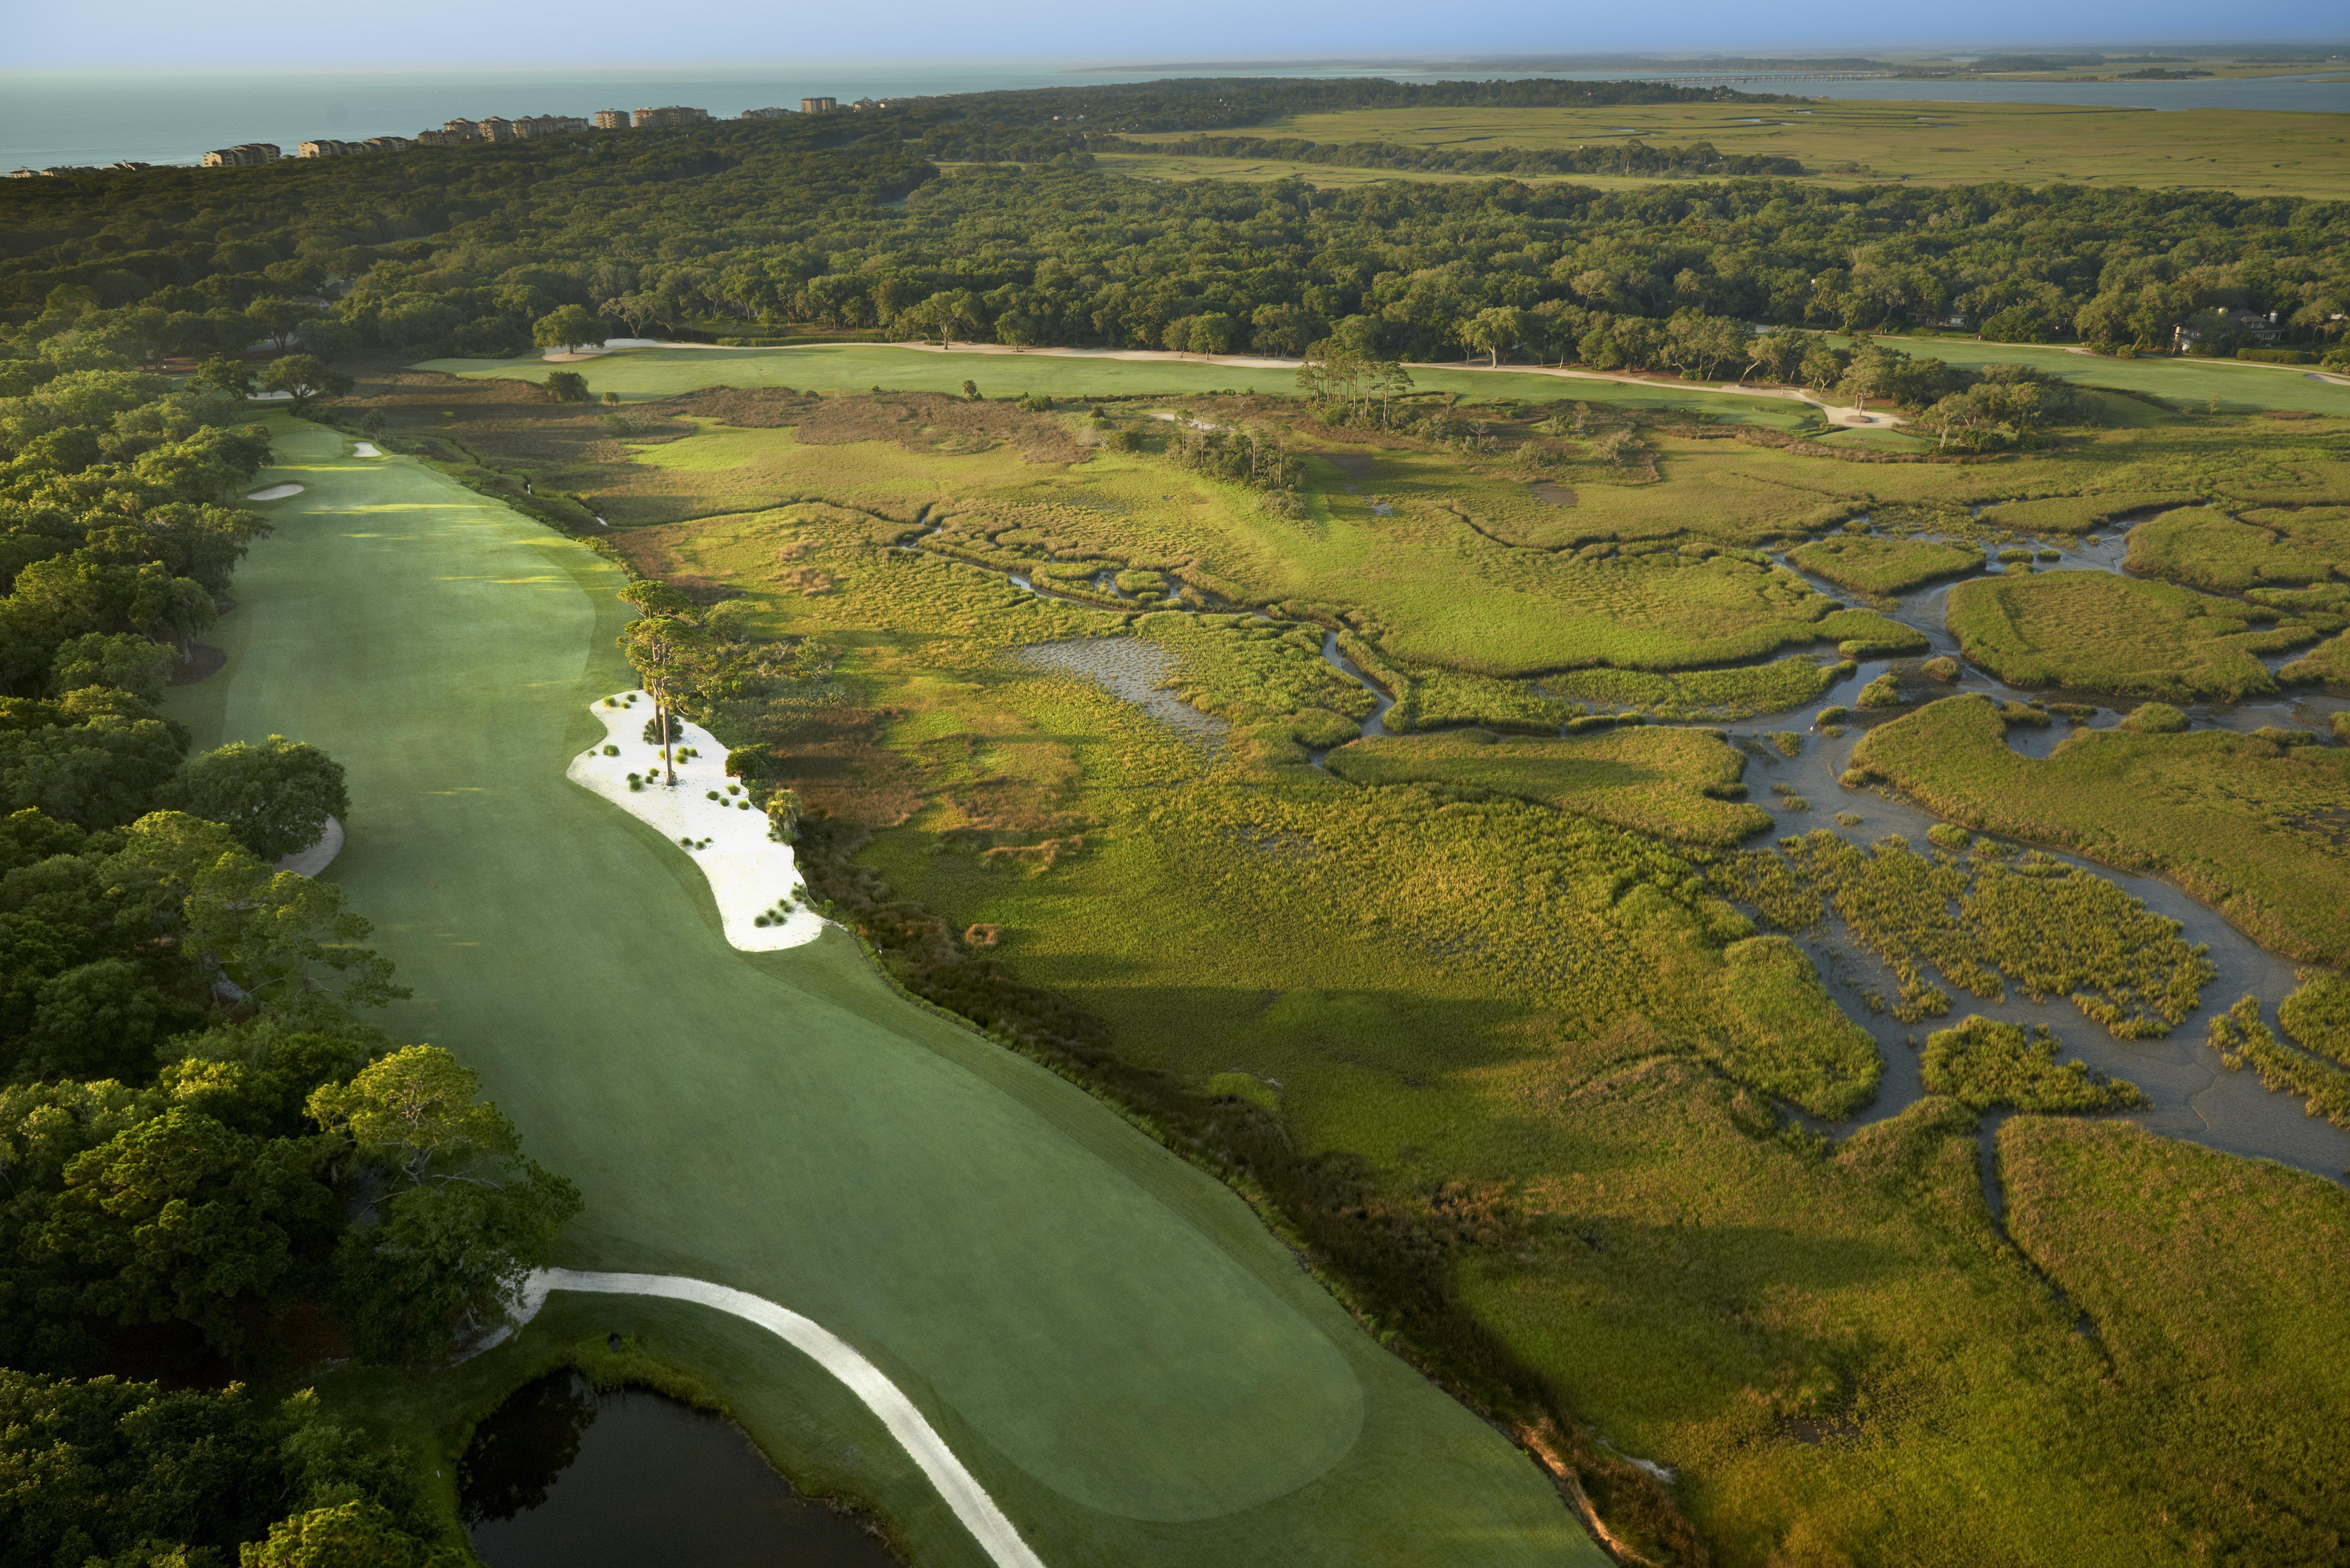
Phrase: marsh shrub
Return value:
(2155, 719)
(1884, 692)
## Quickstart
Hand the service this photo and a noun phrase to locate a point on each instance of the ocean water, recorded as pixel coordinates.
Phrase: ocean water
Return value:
(155, 116)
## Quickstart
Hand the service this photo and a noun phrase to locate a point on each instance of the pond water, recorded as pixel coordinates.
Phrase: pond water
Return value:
(564, 1476)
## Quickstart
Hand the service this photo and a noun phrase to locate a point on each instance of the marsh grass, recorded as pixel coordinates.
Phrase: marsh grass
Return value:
(2290, 547)
(2221, 1316)
(1882, 567)
(2097, 632)
(2317, 1014)
(1984, 1063)
(1672, 783)
(2051, 929)
(2254, 829)
(2243, 1040)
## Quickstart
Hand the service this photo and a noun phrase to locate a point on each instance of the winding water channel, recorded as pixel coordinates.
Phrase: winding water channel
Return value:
(2193, 1095)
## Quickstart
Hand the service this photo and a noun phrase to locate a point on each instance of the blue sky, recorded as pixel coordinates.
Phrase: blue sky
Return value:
(485, 34)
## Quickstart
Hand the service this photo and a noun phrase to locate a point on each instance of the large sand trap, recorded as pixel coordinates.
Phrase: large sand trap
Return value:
(320, 855)
(366, 449)
(957, 1486)
(276, 492)
(750, 874)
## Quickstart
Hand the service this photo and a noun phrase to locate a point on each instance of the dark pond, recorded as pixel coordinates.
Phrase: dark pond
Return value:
(562, 1476)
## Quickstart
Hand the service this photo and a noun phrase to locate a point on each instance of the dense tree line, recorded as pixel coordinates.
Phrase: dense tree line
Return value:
(204, 1147)
(1612, 157)
(845, 222)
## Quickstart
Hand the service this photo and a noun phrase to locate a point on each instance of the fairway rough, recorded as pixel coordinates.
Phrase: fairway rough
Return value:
(959, 1487)
(752, 875)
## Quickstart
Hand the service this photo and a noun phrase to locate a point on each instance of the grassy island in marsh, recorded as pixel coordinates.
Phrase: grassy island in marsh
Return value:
(1676, 784)
(2093, 631)
(2250, 827)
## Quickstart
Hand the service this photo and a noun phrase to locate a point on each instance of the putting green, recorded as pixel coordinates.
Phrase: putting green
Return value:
(643, 373)
(1129, 1363)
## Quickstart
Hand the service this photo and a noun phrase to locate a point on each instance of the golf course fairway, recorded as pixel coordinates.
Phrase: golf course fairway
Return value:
(1133, 1367)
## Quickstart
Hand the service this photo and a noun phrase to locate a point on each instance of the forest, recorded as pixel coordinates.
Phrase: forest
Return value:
(911, 220)
(213, 1162)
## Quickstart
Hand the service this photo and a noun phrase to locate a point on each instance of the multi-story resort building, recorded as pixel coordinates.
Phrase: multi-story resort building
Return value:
(242, 154)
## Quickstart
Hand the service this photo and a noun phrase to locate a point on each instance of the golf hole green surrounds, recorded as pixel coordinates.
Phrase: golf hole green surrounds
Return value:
(642, 373)
(1100, 1315)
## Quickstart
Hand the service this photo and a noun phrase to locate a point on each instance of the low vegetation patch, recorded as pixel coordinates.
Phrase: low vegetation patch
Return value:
(1883, 567)
(2245, 1040)
(2260, 547)
(2051, 929)
(2259, 831)
(2214, 1331)
(1985, 1063)
(1676, 783)
(2097, 632)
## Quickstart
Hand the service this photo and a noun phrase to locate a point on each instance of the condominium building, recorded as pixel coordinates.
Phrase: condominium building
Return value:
(612, 119)
(327, 148)
(653, 119)
(464, 128)
(539, 125)
(387, 144)
(762, 114)
(494, 127)
(243, 153)
(818, 105)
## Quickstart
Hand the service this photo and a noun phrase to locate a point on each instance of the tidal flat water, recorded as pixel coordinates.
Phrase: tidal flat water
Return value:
(564, 1476)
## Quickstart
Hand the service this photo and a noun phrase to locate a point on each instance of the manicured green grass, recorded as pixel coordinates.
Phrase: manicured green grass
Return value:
(2094, 631)
(1111, 1340)
(638, 374)
(2255, 152)
(1668, 782)
(2184, 384)
(2244, 825)
(1874, 566)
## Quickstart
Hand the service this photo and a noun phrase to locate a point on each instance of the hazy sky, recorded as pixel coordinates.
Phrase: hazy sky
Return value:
(472, 34)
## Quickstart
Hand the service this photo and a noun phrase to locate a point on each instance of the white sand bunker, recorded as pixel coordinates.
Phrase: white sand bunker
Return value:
(1133, 671)
(276, 492)
(752, 876)
(366, 449)
(320, 855)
